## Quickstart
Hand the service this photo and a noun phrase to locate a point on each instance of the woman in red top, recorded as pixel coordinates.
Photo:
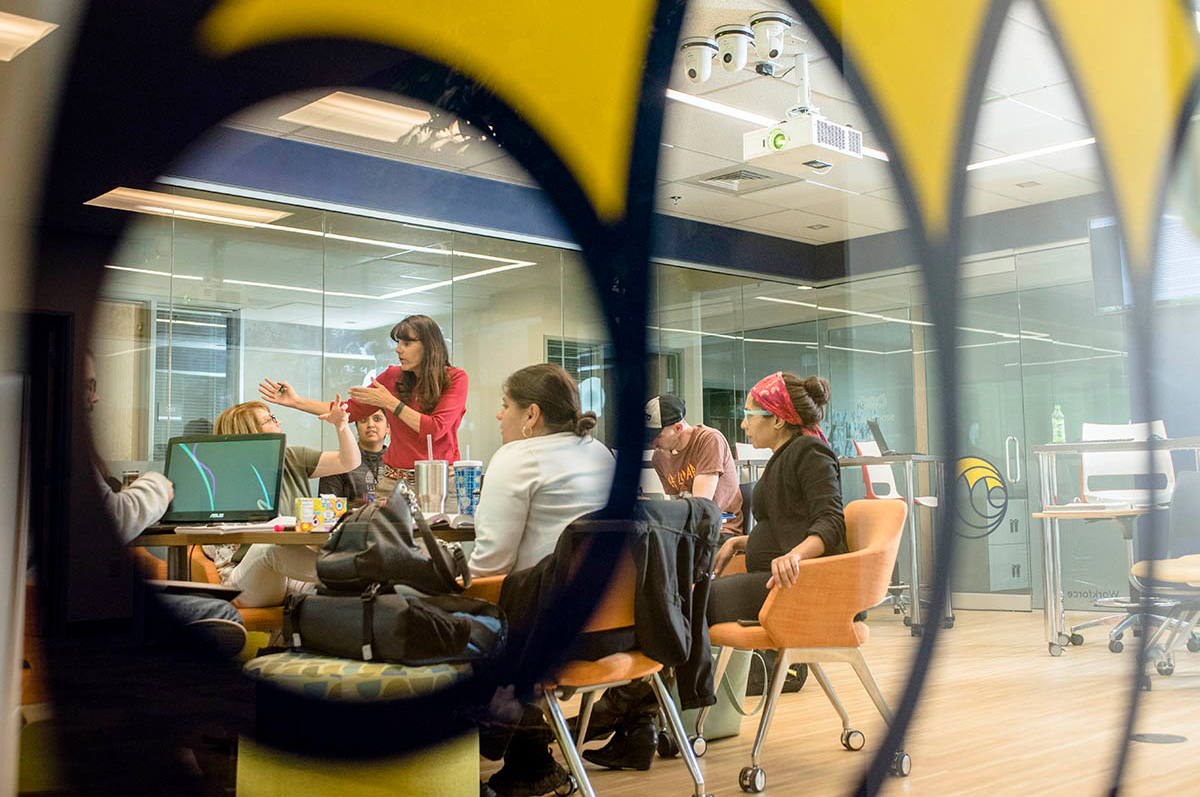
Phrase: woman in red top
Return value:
(422, 396)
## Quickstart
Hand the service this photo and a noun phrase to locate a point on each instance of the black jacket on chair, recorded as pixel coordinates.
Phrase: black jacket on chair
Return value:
(673, 544)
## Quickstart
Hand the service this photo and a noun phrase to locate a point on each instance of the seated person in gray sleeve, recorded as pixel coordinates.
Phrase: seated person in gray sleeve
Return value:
(797, 502)
(358, 486)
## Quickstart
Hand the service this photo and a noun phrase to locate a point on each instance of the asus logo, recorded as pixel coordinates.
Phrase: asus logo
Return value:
(216, 514)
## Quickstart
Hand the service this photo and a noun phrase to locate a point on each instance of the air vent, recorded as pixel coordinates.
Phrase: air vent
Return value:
(843, 139)
(740, 180)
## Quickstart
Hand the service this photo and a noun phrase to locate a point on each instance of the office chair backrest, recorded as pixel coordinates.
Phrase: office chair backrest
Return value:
(879, 480)
(876, 526)
(1184, 524)
(1122, 475)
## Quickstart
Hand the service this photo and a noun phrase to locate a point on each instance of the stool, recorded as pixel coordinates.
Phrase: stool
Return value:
(450, 768)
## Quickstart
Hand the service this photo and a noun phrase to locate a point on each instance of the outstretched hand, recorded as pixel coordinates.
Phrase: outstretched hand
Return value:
(280, 393)
(376, 395)
(337, 414)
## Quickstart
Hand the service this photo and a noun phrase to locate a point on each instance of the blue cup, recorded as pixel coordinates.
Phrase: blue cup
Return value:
(468, 478)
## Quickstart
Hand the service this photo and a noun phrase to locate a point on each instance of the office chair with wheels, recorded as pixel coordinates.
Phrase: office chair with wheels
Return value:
(1121, 477)
(813, 622)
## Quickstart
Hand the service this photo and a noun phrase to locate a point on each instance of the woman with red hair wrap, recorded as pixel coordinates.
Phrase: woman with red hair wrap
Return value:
(797, 503)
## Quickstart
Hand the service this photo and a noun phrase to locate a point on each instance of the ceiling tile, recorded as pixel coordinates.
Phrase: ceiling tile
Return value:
(1025, 59)
(678, 163)
(979, 202)
(1061, 99)
(1012, 128)
(706, 204)
(869, 211)
(1026, 13)
(1051, 184)
(798, 222)
(704, 131)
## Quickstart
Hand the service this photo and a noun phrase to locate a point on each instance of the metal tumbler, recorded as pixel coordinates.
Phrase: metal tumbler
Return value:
(431, 475)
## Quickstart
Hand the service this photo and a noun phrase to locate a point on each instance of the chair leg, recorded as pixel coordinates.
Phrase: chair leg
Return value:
(768, 713)
(868, 681)
(819, 673)
(585, 716)
(562, 733)
(723, 656)
(685, 748)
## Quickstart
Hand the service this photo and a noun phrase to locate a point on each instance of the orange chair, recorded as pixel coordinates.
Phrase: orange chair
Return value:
(813, 621)
(587, 678)
(266, 618)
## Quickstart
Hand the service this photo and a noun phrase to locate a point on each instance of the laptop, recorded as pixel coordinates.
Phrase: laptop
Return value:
(223, 479)
(650, 485)
(877, 434)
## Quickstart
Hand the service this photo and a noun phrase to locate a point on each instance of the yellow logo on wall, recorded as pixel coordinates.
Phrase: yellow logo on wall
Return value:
(985, 501)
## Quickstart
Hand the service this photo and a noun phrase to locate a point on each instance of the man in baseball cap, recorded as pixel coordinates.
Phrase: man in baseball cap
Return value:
(692, 459)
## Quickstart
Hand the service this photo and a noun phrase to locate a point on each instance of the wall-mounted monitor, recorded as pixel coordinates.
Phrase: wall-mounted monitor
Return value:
(1176, 268)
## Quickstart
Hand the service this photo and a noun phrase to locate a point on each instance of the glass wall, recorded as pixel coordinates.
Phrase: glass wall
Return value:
(209, 309)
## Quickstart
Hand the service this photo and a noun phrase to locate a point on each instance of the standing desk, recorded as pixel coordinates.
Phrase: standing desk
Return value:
(1058, 635)
(909, 462)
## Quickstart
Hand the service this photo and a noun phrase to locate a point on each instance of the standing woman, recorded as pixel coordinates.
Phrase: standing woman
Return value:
(797, 503)
(422, 396)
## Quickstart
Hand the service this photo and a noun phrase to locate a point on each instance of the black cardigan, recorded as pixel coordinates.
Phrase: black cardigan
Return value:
(798, 494)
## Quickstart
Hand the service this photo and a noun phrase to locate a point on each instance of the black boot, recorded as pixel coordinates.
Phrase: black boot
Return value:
(615, 708)
(632, 746)
(529, 767)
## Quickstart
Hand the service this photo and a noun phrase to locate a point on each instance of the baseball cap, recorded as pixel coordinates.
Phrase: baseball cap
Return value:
(663, 411)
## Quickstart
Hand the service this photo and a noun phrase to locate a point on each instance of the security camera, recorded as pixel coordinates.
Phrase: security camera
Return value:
(733, 44)
(698, 52)
(768, 28)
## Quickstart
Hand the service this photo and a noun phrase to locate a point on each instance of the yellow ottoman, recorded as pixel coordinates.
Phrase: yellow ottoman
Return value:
(450, 768)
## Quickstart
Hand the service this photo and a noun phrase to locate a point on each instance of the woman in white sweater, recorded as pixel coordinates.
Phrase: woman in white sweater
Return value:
(548, 472)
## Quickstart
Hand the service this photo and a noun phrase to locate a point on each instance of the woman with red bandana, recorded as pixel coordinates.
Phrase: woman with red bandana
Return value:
(797, 503)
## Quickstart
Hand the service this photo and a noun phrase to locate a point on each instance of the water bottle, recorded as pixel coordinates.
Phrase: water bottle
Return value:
(1058, 426)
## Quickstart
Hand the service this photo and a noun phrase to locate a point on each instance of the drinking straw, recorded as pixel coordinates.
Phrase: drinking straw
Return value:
(429, 445)
(468, 450)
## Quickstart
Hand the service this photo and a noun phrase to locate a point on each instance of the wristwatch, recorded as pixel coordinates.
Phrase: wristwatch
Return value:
(399, 407)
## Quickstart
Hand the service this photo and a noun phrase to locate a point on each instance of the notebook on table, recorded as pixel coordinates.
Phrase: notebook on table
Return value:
(223, 482)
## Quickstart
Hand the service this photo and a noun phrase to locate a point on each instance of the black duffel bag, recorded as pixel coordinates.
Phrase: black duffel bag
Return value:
(376, 544)
(383, 626)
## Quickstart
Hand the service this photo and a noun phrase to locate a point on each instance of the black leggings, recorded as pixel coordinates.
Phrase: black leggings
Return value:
(737, 597)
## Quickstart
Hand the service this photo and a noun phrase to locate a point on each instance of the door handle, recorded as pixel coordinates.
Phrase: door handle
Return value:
(1008, 459)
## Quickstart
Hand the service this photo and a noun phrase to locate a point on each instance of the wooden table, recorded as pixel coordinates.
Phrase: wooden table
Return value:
(177, 544)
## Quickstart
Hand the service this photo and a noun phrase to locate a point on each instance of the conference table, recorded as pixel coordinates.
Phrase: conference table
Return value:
(908, 462)
(1058, 634)
(179, 542)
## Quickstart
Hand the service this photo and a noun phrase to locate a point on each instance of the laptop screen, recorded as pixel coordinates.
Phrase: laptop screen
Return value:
(224, 477)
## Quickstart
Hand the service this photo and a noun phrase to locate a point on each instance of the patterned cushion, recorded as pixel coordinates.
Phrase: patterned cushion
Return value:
(346, 679)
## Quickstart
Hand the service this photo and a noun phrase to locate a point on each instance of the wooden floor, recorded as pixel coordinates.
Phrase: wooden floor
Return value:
(999, 716)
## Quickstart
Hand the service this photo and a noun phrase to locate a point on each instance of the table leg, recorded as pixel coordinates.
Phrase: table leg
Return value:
(915, 548)
(177, 563)
(1049, 584)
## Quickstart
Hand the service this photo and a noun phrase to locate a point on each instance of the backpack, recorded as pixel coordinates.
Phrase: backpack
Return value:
(375, 544)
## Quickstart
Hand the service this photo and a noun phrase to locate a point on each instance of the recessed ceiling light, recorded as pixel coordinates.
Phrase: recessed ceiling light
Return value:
(804, 287)
(1033, 153)
(18, 33)
(818, 226)
(160, 204)
(343, 112)
(1028, 184)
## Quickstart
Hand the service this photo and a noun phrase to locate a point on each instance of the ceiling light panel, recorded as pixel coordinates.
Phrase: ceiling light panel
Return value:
(158, 203)
(348, 113)
(18, 34)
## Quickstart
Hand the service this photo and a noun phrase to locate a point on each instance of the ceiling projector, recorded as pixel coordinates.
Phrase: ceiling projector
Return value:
(802, 145)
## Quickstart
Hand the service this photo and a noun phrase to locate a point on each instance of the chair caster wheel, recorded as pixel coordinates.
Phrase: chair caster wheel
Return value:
(570, 787)
(1064, 639)
(916, 630)
(1116, 645)
(947, 622)
(666, 746)
(1055, 649)
(1164, 667)
(699, 745)
(752, 779)
(1144, 683)
(1076, 639)
(853, 740)
(907, 620)
(901, 764)
(1193, 644)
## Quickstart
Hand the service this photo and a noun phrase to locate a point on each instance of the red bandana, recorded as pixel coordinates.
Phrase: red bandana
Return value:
(771, 393)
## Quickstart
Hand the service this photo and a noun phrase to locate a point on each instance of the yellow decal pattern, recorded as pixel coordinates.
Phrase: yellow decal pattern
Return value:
(571, 70)
(1134, 63)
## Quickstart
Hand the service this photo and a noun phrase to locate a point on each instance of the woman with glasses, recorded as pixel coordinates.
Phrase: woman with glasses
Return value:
(265, 573)
(423, 397)
(797, 502)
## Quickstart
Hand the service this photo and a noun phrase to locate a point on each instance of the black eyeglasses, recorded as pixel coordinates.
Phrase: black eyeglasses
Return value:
(270, 419)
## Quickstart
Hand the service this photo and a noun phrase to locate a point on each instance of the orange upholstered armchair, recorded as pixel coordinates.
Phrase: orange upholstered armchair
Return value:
(813, 622)
(266, 618)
